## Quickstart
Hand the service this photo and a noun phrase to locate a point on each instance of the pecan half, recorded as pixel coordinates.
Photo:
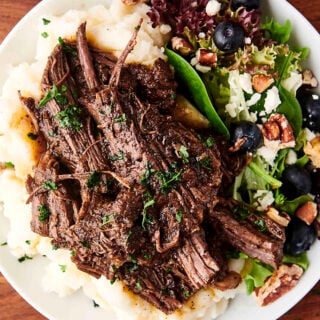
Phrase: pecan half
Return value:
(181, 45)
(206, 57)
(281, 281)
(278, 128)
(261, 82)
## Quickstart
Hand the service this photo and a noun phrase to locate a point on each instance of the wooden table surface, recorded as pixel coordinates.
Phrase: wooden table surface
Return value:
(12, 306)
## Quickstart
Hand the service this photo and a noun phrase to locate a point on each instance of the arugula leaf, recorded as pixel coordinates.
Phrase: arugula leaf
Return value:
(55, 93)
(290, 206)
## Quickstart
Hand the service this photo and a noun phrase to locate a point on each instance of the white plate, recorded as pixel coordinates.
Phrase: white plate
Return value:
(26, 277)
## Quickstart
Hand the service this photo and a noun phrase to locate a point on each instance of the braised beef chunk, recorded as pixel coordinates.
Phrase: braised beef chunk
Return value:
(135, 195)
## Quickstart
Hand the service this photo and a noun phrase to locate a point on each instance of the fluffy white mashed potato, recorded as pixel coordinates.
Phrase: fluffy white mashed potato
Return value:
(104, 27)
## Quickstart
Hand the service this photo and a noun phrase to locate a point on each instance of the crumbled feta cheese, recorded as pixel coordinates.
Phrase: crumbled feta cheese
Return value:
(272, 100)
(309, 134)
(264, 199)
(254, 99)
(247, 40)
(315, 97)
(201, 35)
(291, 157)
(293, 83)
(194, 61)
(202, 68)
(213, 7)
(245, 82)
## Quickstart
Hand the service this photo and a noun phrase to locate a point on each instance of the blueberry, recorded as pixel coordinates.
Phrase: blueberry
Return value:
(245, 136)
(296, 182)
(310, 105)
(228, 36)
(248, 4)
(299, 237)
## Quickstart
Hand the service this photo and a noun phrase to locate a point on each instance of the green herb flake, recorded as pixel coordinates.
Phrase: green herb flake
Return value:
(49, 185)
(67, 48)
(121, 119)
(72, 253)
(85, 244)
(96, 305)
(145, 219)
(209, 142)
(137, 28)
(179, 215)
(168, 179)
(112, 281)
(206, 163)
(54, 93)
(186, 293)
(32, 136)
(70, 118)
(44, 213)
(93, 179)
(3, 244)
(183, 151)
(9, 165)
(54, 247)
(28, 242)
(106, 219)
(63, 267)
(241, 212)
(119, 156)
(24, 258)
(44, 35)
(261, 224)
(45, 21)
(52, 133)
(138, 285)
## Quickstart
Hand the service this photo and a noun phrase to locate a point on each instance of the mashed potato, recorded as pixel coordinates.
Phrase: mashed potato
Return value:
(104, 25)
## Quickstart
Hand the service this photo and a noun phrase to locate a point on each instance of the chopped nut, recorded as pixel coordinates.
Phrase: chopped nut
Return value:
(312, 150)
(261, 82)
(307, 212)
(230, 281)
(281, 281)
(278, 128)
(207, 57)
(309, 79)
(181, 45)
(282, 218)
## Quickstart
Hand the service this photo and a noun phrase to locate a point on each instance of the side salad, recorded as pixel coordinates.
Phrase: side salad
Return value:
(239, 69)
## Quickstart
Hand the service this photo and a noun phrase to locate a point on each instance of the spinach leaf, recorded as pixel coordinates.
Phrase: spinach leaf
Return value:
(193, 83)
(290, 107)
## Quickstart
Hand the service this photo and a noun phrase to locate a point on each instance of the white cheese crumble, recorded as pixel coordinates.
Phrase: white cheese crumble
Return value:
(291, 157)
(213, 7)
(264, 199)
(293, 83)
(272, 100)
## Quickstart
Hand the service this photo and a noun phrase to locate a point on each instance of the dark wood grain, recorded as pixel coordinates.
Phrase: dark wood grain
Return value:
(12, 306)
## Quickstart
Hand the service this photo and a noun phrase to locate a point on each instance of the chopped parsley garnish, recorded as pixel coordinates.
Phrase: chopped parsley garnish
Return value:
(186, 293)
(148, 257)
(116, 157)
(96, 305)
(261, 224)
(44, 35)
(209, 142)
(9, 164)
(137, 28)
(145, 219)
(72, 253)
(54, 247)
(85, 244)
(32, 136)
(3, 244)
(102, 112)
(241, 212)
(145, 179)
(138, 285)
(49, 185)
(63, 267)
(67, 48)
(69, 118)
(55, 93)
(45, 21)
(121, 119)
(28, 242)
(44, 213)
(184, 154)
(206, 163)
(93, 179)
(24, 258)
(106, 219)
(114, 279)
(179, 215)
(168, 179)
(52, 133)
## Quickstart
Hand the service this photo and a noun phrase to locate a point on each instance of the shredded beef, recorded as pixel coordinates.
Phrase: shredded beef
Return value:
(125, 197)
